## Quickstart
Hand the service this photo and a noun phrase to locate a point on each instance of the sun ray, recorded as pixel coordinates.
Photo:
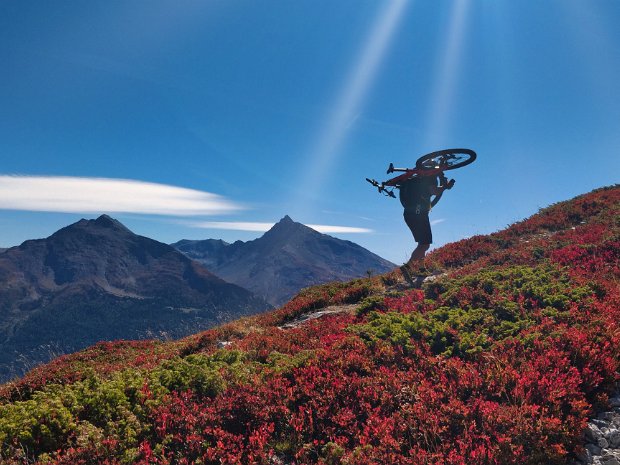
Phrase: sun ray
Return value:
(324, 154)
(447, 75)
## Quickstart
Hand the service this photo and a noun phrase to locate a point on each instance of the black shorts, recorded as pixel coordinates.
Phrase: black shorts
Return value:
(420, 226)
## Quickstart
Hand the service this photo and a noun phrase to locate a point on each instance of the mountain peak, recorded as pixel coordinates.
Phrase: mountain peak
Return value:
(105, 217)
(285, 221)
(104, 224)
(105, 221)
(286, 228)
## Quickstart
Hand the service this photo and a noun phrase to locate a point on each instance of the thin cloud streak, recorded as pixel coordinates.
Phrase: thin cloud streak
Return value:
(65, 194)
(232, 226)
(323, 228)
(264, 227)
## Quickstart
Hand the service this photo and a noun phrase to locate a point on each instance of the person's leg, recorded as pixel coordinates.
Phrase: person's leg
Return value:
(418, 255)
(420, 227)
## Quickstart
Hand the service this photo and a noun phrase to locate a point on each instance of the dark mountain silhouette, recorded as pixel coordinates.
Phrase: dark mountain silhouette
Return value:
(287, 258)
(96, 280)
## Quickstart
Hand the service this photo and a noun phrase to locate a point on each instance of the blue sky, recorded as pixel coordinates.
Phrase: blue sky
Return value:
(214, 119)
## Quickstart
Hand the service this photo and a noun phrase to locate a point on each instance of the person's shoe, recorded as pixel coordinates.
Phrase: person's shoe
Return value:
(404, 269)
(421, 271)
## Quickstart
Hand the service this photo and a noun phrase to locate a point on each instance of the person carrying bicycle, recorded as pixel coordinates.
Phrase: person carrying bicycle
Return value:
(420, 190)
(415, 197)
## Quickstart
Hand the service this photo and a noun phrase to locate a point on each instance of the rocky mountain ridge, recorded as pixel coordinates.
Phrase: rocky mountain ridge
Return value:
(288, 257)
(96, 280)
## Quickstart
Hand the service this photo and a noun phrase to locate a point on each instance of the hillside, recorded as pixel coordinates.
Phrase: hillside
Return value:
(96, 280)
(287, 258)
(499, 360)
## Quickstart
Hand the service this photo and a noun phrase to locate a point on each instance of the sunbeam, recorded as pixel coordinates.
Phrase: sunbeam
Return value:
(354, 91)
(447, 75)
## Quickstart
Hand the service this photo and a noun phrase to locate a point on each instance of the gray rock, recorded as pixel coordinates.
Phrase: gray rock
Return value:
(609, 460)
(614, 401)
(593, 449)
(609, 417)
(614, 438)
(593, 433)
(603, 443)
(585, 458)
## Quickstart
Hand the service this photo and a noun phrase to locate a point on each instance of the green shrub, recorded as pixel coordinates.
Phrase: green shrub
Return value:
(117, 408)
(197, 372)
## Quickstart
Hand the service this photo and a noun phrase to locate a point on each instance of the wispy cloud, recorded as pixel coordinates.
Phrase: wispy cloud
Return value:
(263, 227)
(97, 195)
(437, 221)
(234, 225)
(323, 228)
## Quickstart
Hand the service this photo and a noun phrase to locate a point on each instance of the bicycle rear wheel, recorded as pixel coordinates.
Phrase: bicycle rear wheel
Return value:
(448, 159)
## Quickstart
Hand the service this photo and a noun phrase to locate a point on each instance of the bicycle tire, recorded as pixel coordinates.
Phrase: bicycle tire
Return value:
(448, 159)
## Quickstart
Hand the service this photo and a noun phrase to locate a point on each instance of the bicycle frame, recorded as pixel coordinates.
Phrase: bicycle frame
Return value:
(408, 173)
(431, 164)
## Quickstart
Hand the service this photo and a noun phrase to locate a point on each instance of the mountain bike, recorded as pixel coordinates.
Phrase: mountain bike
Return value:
(431, 164)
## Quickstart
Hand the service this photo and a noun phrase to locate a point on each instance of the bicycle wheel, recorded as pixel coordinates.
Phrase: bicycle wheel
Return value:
(448, 159)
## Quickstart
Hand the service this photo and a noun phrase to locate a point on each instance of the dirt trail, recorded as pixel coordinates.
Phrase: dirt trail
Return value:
(401, 286)
(331, 310)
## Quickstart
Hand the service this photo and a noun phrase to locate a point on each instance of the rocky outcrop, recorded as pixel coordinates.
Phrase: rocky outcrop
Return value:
(603, 437)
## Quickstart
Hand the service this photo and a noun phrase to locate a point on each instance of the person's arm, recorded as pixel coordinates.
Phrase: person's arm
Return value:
(437, 191)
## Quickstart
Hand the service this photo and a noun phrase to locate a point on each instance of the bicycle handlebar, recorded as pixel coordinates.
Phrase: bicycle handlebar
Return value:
(381, 188)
